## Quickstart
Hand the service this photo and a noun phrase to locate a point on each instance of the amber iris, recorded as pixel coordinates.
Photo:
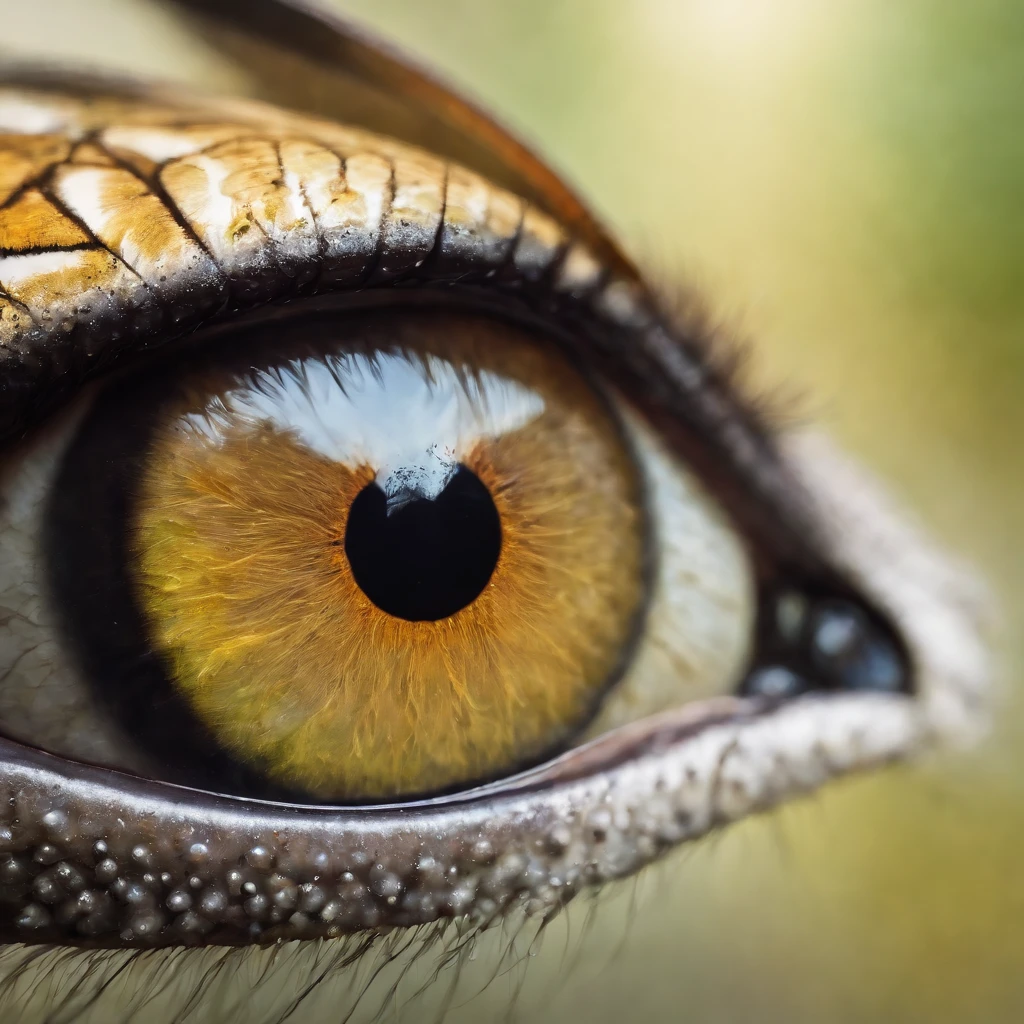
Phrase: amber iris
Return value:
(402, 561)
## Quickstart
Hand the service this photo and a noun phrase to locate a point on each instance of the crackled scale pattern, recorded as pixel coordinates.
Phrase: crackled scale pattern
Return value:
(148, 218)
(103, 208)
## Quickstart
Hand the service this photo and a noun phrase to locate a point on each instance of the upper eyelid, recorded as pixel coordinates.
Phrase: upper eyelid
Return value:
(615, 322)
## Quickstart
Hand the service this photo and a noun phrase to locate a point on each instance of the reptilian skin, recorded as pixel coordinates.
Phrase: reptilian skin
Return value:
(127, 220)
(134, 217)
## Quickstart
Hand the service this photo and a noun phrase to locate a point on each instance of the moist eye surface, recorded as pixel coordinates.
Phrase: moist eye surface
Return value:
(390, 556)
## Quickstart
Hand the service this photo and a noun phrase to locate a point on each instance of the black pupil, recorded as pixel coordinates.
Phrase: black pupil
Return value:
(429, 558)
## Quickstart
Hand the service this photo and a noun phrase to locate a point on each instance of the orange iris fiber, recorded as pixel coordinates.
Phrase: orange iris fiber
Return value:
(243, 576)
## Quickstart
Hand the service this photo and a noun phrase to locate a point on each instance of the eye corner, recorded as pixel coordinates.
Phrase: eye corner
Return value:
(938, 607)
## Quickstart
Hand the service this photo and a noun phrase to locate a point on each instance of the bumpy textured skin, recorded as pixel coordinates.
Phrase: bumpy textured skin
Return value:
(125, 221)
(109, 859)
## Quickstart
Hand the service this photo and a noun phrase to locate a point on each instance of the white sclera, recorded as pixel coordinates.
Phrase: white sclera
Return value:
(699, 631)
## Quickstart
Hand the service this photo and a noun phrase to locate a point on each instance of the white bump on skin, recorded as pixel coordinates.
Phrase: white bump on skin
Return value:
(579, 270)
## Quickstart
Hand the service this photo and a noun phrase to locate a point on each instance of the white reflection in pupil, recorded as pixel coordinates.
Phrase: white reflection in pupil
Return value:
(411, 418)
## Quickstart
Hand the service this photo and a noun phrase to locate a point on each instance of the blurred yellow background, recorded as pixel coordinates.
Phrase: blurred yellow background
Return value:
(845, 183)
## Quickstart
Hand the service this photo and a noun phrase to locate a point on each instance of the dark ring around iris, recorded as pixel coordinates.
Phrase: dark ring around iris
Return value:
(89, 561)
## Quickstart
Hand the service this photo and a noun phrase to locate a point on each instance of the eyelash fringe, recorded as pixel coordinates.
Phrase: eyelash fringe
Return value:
(728, 354)
(80, 984)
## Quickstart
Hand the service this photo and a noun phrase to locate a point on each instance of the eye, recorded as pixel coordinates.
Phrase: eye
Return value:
(377, 548)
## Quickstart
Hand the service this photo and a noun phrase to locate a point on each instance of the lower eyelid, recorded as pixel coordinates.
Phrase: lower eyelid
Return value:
(239, 867)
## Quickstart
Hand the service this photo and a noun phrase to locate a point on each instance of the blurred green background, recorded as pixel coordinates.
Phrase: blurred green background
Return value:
(845, 183)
